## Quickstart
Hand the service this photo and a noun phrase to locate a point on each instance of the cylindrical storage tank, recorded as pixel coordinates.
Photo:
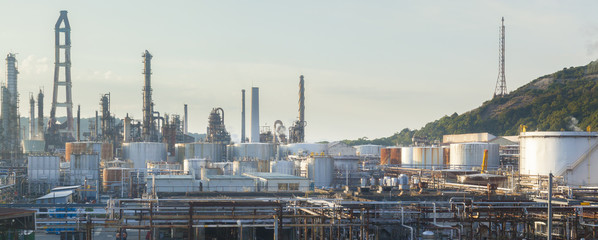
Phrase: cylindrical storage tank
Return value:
(142, 152)
(179, 151)
(260, 151)
(215, 152)
(384, 156)
(368, 150)
(446, 153)
(428, 157)
(468, 155)
(321, 170)
(572, 155)
(407, 157)
(284, 167)
(43, 169)
(194, 165)
(395, 155)
(240, 167)
(304, 149)
(373, 181)
(210, 171)
(84, 167)
(104, 150)
(115, 178)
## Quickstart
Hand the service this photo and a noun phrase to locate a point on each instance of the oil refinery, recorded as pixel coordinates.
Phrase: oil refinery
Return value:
(152, 179)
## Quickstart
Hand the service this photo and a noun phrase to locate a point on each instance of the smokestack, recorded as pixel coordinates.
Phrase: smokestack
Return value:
(11, 77)
(147, 96)
(243, 115)
(186, 126)
(127, 128)
(301, 100)
(96, 127)
(31, 117)
(255, 114)
(40, 114)
(78, 123)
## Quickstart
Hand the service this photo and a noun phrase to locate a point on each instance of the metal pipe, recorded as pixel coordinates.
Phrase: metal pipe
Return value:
(550, 206)
(403, 223)
(242, 115)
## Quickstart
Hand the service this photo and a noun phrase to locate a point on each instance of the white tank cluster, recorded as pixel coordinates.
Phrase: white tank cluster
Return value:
(368, 150)
(194, 166)
(468, 155)
(572, 155)
(43, 169)
(428, 157)
(142, 152)
(215, 152)
(261, 151)
(284, 167)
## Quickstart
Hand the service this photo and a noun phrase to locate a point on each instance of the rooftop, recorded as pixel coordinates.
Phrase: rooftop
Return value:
(273, 176)
(227, 177)
(58, 194)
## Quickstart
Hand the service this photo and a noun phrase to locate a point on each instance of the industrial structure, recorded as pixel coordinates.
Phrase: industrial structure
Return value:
(501, 83)
(151, 178)
(59, 133)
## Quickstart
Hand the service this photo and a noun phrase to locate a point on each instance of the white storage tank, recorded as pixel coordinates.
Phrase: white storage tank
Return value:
(261, 151)
(368, 150)
(468, 155)
(240, 167)
(142, 152)
(284, 167)
(321, 170)
(43, 169)
(84, 166)
(304, 149)
(194, 165)
(428, 157)
(572, 155)
(407, 156)
(215, 152)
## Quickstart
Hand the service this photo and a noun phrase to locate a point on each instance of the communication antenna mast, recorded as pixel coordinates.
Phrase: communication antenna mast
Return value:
(501, 82)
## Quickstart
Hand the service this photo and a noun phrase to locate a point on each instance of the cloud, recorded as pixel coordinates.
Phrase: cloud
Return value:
(33, 64)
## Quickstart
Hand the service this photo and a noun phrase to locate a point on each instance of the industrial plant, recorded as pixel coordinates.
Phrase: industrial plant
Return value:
(150, 178)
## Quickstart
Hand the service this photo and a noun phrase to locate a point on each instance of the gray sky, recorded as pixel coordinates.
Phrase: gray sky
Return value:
(371, 68)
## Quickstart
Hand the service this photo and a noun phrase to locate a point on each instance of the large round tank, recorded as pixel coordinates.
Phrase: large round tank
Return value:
(572, 155)
(369, 149)
(179, 152)
(304, 149)
(43, 169)
(261, 151)
(321, 171)
(384, 156)
(84, 167)
(467, 155)
(240, 167)
(114, 178)
(428, 157)
(395, 155)
(141, 152)
(407, 156)
(284, 167)
(216, 152)
(104, 150)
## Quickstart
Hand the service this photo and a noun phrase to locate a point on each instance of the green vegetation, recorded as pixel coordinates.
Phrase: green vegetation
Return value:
(565, 100)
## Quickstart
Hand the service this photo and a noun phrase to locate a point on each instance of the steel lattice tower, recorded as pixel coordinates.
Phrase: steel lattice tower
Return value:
(62, 63)
(501, 82)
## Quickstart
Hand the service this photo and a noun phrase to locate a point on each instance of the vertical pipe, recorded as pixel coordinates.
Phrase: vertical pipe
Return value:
(96, 126)
(550, 206)
(186, 123)
(255, 114)
(147, 96)
(243, 115)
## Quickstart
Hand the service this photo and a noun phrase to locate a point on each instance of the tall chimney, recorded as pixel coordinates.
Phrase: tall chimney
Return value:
(301, 100)
(31, 117)
(255, 114)
(186, 123)
(40, 114)
(243, 115)
(96, 126)
(78, 123)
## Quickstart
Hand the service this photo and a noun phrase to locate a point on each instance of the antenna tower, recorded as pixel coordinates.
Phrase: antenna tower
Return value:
(62, 48)
(501, 82)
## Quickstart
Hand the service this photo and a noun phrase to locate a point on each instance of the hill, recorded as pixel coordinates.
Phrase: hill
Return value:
(564, 100)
